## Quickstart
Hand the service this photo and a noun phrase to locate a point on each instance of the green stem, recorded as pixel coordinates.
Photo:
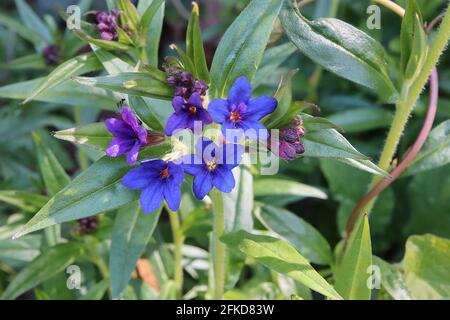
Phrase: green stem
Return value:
(408, 98)
(219, 247)
(178, 239)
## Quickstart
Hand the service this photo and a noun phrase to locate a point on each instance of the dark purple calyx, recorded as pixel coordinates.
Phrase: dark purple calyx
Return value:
(184, 83)
(289, 140)
(88, 225)
(107, 24)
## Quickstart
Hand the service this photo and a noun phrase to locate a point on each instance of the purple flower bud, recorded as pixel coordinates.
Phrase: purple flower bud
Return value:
(87, 225)
(107, 23)
(289, 143)
(187, 78)
(200, 87)
(51, 54)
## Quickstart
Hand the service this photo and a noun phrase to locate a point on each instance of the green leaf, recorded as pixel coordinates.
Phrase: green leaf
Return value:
(20, 251)
(329, 143)
(359, 120)
(352, 274)
(27, 201)
(28, 62)
(413, 42)
(130, 235)
(284, 98)
(97, 291)
(153, 29)
(22, 30)
(50, 263)
(272, 187)
(426, 263)
(238, 205)
(32, 21)
(271, 61)
(111, 63)
(54, 176)
(105, 44)
(67, 93)
(147, 113)
(281, 257)
(75, 66)
(135, 83)
(149, 13)
(93, 134)
(98, 189)
(130, 16)
(317, 123)
(392, 280)
(194, 45)
(299, 233)
(435, 152)
(242, 46)
(341, 49)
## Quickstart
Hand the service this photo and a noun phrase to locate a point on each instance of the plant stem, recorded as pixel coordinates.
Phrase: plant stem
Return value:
(219, 247)
(408, 98)
(392, 6)
(178, 239)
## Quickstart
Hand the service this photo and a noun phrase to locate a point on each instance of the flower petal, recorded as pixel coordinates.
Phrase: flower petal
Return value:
(133, 153)
(119, 128)
(178, 104)
(223, 179)
(195, 100)
(172, 194)
(254, 130)
(152, 197)
(129, 117)
(176, 172)
(140, 178)
(240, 91)
(119, 146)
(191, 164)
(259, 107)
(202, 184)
(203, 116)
(176, 122)
(218, 109)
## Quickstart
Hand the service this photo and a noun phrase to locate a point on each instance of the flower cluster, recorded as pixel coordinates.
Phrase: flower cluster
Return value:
(51, 54)
(210, 164)
(184, 83)
(289, 142)
(107, 23)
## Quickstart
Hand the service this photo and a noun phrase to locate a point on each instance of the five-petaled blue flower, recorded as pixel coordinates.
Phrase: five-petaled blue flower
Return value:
(129, 136)
(242, 113)
(186, 113)
(211, 165)
(158, 180)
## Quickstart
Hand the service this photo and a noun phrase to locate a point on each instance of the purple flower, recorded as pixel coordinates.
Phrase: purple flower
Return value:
(242, 113)
(158, 180)
(289, 141)
(184, 82)
(186, 113)
(129, 136)
(51, 54)
(107, 23)
(211, 165)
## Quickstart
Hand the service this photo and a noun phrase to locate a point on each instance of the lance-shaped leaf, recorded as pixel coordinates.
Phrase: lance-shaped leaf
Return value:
(28, 62)
(363, 119)
(32, 21)
(105, 44)
(20, 251)
(97, 291)
(27, 201)
(329, 143)
(67, 93)
(148, 112)
(435, 152)
(72, 67)
(98, 189)
(281, 187)
(93, 134)
(238, 205)
(352, 275)
(392, 280)
(131, 232)
(135, 83)
(194, 45)
(242, 46)
(50, 263)
(340, 48)
(22, 30)
(281, 257)
(303, 236)
(54, 176)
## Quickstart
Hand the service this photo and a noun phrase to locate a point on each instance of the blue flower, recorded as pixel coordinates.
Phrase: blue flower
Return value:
(186, 113)
(211, 165)
(242, 113)
(129, 136)
(158, 180)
